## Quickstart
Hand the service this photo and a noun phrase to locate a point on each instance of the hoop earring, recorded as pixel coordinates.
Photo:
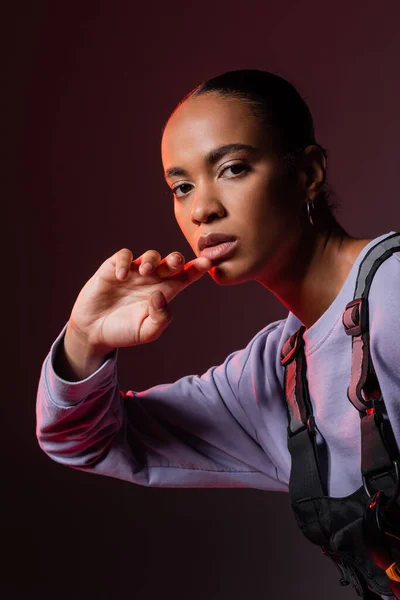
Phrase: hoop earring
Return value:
(308, 203)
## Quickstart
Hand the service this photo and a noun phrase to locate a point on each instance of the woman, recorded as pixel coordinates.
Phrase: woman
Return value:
(249, 187)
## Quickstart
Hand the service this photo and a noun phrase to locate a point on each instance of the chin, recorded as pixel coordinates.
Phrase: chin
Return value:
(226, 274)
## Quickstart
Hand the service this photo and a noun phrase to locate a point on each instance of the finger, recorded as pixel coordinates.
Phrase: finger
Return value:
(159, 318)
(148, 262)
(123, 261)
(191, 272)
(170, 264)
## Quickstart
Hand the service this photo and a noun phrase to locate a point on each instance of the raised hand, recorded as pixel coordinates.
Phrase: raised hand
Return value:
(126, 302)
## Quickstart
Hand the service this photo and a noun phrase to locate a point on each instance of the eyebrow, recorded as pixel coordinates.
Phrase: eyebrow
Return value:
(211, 158)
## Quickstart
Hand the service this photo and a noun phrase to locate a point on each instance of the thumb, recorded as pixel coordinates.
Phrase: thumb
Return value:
(159, 318)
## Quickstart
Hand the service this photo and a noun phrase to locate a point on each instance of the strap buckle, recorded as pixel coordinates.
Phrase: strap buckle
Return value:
(396, 491)
(292, 346)
(381, 527)
(354, 317)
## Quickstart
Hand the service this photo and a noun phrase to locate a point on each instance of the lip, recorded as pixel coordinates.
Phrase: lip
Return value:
(213, 239)
(220, 251)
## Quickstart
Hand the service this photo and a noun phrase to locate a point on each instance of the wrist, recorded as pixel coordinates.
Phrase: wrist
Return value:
(77, 358)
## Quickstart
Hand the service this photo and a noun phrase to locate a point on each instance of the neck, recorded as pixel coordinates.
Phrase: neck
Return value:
(312, 270)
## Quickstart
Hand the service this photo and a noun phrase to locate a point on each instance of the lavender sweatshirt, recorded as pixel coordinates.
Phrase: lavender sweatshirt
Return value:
(227, 427)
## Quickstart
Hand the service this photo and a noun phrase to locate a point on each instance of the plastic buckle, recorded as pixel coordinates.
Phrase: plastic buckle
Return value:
(358, 317)
(396, 492)
(381, 528)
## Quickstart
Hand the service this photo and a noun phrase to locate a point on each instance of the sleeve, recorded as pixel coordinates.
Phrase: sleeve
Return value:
(384, 310)
(190, 433)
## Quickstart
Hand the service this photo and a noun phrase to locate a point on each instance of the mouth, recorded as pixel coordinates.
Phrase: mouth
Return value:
(217, 246)
(219, 251)
(214, 239)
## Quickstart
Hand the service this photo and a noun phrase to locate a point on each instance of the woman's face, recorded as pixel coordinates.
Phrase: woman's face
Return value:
(242, 191)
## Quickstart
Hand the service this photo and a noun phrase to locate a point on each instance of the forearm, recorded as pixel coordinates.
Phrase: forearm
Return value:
(76, 420)
(191, 433)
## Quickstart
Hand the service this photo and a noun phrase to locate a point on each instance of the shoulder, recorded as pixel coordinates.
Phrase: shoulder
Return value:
(384, 329)
(384, 292)
(385, 289)
(384, 312)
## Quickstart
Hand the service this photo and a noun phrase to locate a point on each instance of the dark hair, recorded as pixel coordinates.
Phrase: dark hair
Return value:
(278, 105)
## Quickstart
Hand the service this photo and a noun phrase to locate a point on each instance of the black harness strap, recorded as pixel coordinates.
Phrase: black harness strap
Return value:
(363, 383)
(305, 478)
(378, 446)
(379, 452)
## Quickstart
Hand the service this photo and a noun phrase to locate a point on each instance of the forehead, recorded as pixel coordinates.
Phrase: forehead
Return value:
(205, 122)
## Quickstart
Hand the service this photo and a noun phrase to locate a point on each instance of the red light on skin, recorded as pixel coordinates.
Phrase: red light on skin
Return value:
(370, 411)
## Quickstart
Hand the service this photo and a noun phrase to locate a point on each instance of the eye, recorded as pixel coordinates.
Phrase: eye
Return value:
(236, 169)
(175, 190)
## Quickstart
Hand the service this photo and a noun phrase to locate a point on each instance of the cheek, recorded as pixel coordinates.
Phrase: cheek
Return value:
(275, 195)
(254, 199)
(180, 216)
(183, 220)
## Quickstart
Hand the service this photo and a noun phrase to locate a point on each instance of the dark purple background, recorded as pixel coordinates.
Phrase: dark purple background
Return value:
(90, 87)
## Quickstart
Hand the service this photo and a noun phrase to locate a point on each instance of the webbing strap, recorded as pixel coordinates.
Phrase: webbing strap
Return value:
(379, 452)
(305, 480)
(378, 445)
(379, 448)
(376, 454)
(364, 384)
(294, 387)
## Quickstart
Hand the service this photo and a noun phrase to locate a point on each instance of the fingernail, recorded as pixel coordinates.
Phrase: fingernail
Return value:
(159, 302)
(177, 258)
(145, 268)
(203, 264)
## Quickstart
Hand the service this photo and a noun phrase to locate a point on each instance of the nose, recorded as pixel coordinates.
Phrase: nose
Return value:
(206, 206)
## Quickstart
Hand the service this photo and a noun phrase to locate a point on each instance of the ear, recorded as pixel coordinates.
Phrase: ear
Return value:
(312, 171)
